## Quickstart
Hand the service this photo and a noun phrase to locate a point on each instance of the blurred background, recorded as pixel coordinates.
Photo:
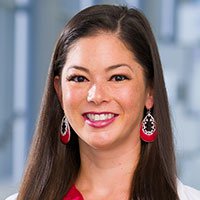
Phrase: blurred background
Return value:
(28, 32)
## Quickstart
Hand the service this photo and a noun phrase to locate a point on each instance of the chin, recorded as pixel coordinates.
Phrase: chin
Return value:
(99, 140)
(101, 144)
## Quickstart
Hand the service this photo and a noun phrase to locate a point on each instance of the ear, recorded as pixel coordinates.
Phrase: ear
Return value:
(149, 99)
(58, 89)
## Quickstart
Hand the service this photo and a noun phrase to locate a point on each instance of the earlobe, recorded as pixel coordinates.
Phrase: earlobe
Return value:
(57, 87)
(150, 100)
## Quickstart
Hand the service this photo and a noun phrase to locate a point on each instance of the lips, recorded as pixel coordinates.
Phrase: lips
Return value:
(99, 120)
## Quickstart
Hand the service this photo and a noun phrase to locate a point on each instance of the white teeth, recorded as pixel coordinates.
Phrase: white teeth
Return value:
(96, 117)
(102, 117)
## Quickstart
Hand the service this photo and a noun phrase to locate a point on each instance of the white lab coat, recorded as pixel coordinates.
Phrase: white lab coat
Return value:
(185, 193)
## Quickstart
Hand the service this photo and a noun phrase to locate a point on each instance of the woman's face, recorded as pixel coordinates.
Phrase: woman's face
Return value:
(103, 92)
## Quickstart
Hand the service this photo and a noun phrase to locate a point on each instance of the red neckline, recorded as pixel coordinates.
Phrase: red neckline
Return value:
(73, 194)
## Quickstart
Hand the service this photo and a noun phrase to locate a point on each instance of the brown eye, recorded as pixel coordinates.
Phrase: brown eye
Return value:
(119, 78)
(78, 79)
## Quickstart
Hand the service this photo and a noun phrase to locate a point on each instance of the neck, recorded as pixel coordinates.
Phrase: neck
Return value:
(107, 171)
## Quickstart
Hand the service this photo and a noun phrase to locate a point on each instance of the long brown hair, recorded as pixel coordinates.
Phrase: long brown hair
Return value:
(53, 167)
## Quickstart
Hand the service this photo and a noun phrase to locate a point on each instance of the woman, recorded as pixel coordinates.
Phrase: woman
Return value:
(104, 129)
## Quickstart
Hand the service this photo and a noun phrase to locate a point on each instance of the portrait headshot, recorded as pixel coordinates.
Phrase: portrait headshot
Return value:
(106, 126)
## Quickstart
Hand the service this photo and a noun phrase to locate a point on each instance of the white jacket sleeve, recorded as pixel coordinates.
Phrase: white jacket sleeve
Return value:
(12, 197)
(187, 193)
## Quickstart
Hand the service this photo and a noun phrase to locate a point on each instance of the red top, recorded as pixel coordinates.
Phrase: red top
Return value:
(73, 194)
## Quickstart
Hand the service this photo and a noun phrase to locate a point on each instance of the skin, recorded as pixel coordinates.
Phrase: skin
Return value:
(108, 79)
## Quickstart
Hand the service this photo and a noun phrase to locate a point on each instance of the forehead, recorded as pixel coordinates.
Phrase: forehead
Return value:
(104, 47)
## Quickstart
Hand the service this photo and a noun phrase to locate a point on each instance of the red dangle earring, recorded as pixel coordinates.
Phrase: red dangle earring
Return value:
(65, 131)
(148, 129)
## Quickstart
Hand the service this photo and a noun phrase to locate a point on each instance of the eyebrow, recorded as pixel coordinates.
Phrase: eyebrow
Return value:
(79, 68)
(112, 67)
(117, 66)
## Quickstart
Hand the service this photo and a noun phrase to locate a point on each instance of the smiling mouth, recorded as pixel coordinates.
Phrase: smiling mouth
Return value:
(99, 117)
(99, 120)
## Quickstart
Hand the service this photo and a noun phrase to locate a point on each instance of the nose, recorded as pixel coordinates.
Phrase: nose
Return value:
(98, 94)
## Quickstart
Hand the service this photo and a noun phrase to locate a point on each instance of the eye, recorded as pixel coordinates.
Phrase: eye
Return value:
(77, 78)
(119, 78)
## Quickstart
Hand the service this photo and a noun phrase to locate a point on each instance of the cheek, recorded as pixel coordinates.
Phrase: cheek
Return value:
(69, 97)
(131, 98)
(72, 97)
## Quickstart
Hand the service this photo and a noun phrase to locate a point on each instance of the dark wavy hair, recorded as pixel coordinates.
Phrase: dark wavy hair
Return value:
(52, 167)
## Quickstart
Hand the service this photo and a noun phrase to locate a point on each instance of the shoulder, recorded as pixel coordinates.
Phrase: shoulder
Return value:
(187, 193)
(12, 197)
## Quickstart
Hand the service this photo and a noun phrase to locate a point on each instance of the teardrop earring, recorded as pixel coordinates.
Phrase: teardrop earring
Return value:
(65, 131)
(148, 129)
